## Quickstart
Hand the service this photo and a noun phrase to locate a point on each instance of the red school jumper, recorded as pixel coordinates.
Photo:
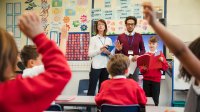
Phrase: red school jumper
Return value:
(120, 92)
(154, 74)
(36, 94)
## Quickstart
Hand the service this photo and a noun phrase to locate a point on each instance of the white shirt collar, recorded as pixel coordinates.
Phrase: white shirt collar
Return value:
(132, 33)
(195, 87)
(153, 51)
(119, 77)
(99, 36)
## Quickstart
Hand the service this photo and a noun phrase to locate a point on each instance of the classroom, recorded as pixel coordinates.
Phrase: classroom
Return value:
(72, 23)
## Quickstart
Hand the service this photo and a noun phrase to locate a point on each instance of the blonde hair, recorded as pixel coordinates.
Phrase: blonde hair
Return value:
(118, 64)
(8, 53)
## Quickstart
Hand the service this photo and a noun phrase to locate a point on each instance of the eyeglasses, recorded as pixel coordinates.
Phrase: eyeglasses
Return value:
(130, 24)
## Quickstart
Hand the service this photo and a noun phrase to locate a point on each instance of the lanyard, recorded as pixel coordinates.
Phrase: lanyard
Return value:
(130, 42)
(102, 42)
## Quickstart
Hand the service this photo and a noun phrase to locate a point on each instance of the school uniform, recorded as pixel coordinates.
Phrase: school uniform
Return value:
(34, 71)
(120, 91)
(193, 98)
(99, 62)
(151, 80)
(131, 42)
(36, 94)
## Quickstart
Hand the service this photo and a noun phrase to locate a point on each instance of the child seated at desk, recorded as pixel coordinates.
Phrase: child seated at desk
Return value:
(31, 94)
(152, 77)
(32, 60)
(119, 90)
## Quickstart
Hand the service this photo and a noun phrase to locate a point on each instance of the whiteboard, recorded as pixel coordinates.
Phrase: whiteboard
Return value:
(179, 83)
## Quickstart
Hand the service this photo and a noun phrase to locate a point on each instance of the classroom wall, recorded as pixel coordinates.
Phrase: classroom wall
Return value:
(183, 19)
(57, 17)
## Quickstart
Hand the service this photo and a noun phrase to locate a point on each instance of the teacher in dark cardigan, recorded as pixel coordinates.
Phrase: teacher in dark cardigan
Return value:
(130, 43)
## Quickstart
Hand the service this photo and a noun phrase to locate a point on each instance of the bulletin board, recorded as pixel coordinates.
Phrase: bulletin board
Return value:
(77, 46)
(115, 12)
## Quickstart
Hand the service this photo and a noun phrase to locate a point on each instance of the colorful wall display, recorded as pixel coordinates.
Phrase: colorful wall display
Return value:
(77, 46)
(115, 12)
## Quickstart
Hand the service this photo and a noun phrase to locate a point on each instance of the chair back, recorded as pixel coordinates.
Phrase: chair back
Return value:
(120, 108)
(55, 107)
(83, 87)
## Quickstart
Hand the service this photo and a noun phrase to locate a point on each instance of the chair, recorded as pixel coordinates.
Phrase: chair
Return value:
(82, 91)
(55, 107)
(120, 108)
(83, 87)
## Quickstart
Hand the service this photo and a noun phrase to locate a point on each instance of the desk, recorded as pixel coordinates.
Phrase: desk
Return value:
(85, 101)
(75, 100)
(163, 109)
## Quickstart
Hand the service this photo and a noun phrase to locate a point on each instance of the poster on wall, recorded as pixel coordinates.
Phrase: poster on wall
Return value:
(77, 46)
(116, 11)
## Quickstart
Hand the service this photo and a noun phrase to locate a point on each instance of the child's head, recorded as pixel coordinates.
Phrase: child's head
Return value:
(8, 55)
(194, 47)
(118, 65)
(153, 43)
(30, 57)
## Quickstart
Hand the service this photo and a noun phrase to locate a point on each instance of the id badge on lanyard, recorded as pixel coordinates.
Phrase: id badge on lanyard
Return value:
(130, 52)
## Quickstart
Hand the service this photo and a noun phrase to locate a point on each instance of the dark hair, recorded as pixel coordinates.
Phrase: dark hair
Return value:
(153, 39)
(106, 28)
(118, 64)
(28, 52)
(131, 17)
(8, 53)
(194, 47)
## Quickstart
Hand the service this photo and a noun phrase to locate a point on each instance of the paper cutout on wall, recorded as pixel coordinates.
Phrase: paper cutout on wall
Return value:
(66, 19)
(82, 2)
(70, 12)
(56, 3)
(76, 23)
(83, 19)
(56, 11)
(44, 15)
(31, 5)
(83, 27)
(70, 3)
(28, 1)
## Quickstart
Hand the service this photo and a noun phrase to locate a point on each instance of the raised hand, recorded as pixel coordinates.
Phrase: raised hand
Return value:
(30, 25)
(118, 45)
(161, 59)
(149, 13)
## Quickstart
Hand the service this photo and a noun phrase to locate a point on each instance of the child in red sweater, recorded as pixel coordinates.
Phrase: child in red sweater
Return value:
(119, 90)
(31, 94)
(152, 77)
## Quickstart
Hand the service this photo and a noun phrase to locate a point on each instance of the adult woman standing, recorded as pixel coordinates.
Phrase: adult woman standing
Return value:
(100, 55)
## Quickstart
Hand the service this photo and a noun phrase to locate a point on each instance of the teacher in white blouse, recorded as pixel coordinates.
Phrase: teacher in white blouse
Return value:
(100, 56)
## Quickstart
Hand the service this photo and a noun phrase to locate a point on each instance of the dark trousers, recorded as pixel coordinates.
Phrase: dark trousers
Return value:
(134, 76)
(152, 89)
(94, 76)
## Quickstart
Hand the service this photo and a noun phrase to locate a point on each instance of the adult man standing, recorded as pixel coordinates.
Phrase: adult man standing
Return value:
(130, 43)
